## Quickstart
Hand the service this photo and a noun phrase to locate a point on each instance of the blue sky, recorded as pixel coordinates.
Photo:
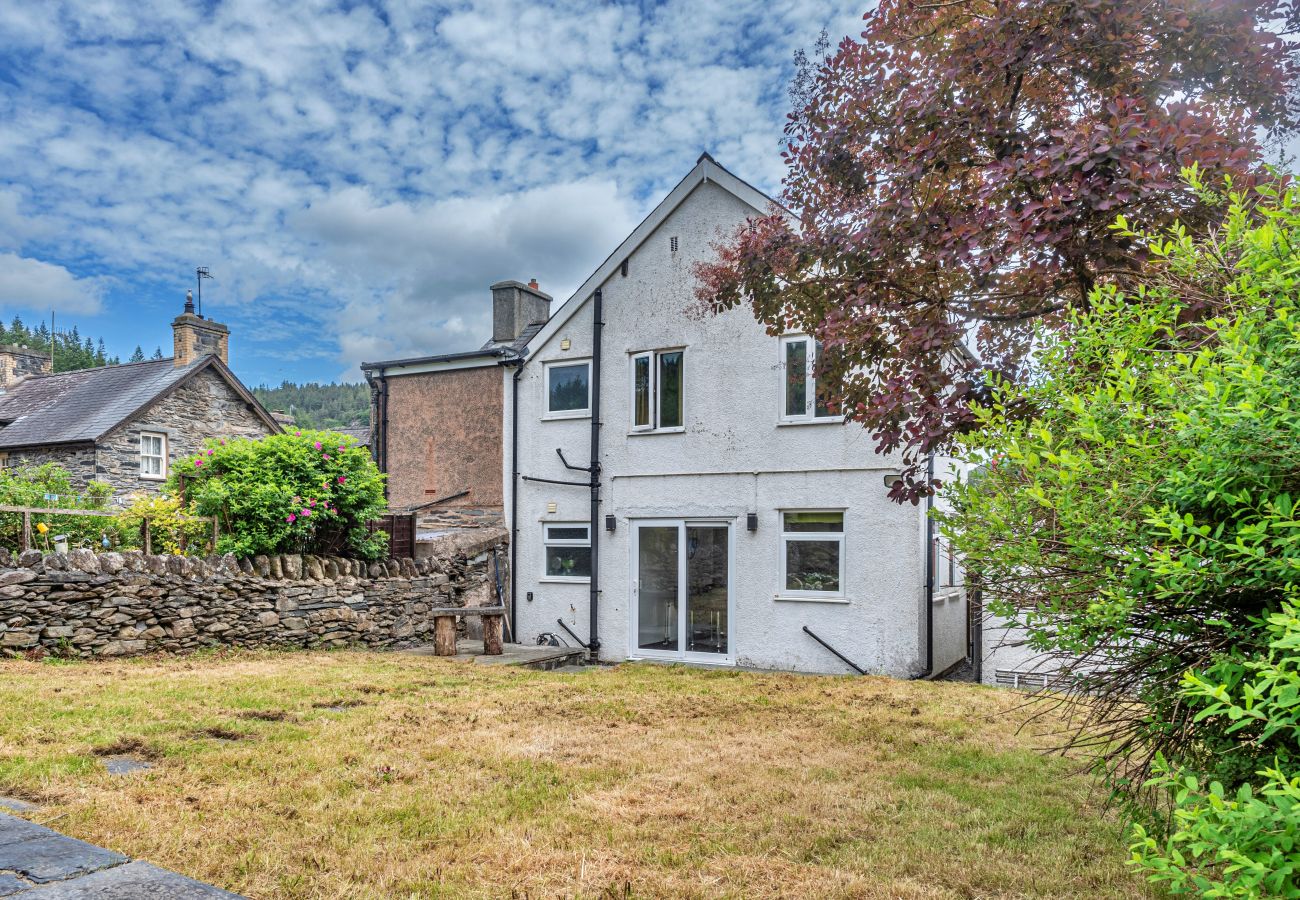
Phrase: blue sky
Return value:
(356, 174)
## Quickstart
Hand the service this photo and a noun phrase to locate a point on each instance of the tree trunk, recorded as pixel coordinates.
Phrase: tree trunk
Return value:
(444, 636)
(492, 629)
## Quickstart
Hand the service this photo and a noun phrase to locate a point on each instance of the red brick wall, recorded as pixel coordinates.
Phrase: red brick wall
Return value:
(444, 436)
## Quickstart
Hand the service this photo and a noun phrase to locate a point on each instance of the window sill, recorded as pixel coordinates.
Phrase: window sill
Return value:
(785, 598)
(681, 429)
(791, 423)
(560, 417)
(159, 478)
(557, 579)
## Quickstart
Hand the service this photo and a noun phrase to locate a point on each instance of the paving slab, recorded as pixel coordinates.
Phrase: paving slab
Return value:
(37, 863)
(13, 804)
(54, 857)
(133, 881)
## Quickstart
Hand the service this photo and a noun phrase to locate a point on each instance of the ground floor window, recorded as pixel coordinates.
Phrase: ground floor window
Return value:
(153, 456)
(812, 553)
(568, 550)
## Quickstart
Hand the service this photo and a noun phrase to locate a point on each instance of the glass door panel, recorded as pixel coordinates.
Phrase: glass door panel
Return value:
(657, 587)
(707, 567)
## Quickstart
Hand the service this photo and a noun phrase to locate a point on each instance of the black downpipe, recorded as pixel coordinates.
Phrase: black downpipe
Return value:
(597, 325)
(929, 569)
(514, 498)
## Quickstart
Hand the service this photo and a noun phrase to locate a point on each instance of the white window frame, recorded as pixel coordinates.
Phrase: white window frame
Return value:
(809, 414)
(548, 542)
(653, 427)
(783, 592)
(584, 413)
(162, 440)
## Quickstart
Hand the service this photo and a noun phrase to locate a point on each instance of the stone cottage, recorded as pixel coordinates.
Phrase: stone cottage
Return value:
(127, 424)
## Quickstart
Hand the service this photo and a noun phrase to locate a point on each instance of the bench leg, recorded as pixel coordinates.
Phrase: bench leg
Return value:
(444, 636)
(492, 631)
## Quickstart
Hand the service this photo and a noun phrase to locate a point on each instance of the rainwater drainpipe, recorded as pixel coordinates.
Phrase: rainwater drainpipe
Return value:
(379, 442)
(597, 325)
(929, 569)
(518, 363)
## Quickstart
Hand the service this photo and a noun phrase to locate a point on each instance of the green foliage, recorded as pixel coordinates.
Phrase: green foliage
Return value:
(1247, 844)
(316, 405)
(31, 486)
(171, 528)
(305, 492)
(1136, 514)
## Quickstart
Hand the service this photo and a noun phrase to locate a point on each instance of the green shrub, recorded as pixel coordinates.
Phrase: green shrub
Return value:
(171, 528)
(306, 492)
(1137, 513)
(50, 485)
(1245, 844)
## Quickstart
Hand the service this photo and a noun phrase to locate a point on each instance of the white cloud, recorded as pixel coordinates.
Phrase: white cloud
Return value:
(33, 284)
(369, 169)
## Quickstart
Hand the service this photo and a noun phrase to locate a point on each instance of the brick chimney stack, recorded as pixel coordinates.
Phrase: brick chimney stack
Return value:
(17, 364)
(194, 337)
(515, 306)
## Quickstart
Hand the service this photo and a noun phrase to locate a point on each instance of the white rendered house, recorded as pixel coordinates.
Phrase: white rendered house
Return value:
(731, 519)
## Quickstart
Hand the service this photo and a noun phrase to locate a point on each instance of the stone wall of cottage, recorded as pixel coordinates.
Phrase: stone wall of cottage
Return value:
(79, 461)
(121, 604)
(202, 408)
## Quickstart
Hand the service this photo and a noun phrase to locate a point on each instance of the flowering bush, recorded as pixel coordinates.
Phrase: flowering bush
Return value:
(304, 492)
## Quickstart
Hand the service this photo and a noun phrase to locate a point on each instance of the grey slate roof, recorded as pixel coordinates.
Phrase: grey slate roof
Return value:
(519, 344)
(82, 406)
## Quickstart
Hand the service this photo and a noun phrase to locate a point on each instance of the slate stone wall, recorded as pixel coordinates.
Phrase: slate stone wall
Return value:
(119, 604)
(79, 461)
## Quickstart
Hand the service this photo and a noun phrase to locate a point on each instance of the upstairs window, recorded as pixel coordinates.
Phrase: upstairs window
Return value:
(568, 551)
(568, 390)
(153, 456)
(806, 395)
(657, 390)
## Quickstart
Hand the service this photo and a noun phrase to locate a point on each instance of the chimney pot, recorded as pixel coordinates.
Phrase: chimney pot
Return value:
(189, 302)
(533, 283)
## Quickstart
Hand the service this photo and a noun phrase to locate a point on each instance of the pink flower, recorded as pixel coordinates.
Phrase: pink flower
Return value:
(291, 518)
(306, 512)
(343, 479)
(198, 462)
(341, 447)
(209, 452)
(311, 502)
(325, 456)
(316, 445)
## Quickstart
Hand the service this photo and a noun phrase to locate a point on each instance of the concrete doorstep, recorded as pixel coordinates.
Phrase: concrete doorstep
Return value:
(39, 864)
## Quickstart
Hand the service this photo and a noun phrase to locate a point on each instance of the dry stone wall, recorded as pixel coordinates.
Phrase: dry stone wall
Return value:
(118, 604)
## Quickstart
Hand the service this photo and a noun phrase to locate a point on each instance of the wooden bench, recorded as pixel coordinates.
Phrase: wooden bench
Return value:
(444, 628)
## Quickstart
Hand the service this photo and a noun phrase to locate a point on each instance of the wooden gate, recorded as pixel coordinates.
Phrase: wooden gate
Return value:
(401, 534)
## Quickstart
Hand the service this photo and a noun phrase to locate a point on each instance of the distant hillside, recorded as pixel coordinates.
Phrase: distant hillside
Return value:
(315, 405)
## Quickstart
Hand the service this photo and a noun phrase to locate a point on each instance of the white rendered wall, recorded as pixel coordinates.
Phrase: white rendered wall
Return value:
(732, 458)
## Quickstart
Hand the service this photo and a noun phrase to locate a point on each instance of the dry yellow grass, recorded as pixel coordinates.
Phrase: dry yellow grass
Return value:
(447, 779)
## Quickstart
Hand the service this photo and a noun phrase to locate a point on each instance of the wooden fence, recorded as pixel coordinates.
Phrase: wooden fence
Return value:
(146, 539)
(401, 534)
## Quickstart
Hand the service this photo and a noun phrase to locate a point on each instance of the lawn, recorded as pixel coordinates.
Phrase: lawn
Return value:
(354, 775)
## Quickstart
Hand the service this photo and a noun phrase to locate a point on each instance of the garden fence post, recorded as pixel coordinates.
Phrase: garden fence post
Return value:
(26, 541)
(145, 538)
(216, 532)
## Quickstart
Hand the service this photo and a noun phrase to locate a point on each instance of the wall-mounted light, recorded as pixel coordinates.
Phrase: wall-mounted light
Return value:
(610, 523)
(892, 479)
(751, 521)
(565, 344)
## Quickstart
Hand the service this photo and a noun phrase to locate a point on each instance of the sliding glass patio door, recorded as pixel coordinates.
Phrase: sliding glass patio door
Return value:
(682, 585)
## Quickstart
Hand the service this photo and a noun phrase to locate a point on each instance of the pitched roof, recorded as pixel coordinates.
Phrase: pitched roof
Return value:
(84, 406)
(707, 171)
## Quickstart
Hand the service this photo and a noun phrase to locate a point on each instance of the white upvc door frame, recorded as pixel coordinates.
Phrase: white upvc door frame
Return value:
(634, 625)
